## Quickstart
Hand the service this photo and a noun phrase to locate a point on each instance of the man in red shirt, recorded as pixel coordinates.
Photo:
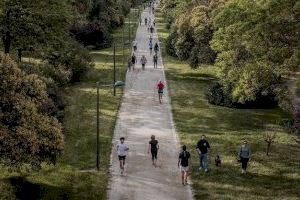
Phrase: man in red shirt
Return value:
(160, 87)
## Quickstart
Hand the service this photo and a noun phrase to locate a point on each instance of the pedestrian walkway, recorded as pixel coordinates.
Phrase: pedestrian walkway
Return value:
(140, 116)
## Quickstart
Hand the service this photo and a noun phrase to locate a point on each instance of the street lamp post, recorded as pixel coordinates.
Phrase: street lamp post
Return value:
(114, 68)
(115, 85)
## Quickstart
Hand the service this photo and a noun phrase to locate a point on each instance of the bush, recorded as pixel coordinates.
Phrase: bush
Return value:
(170, 43)
(72, 59)
(94, 34)
(216, 96)
(28, 134)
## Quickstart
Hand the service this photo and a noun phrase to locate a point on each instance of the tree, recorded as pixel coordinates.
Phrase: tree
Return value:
(33, 24)
(28, 135)
(256, 42)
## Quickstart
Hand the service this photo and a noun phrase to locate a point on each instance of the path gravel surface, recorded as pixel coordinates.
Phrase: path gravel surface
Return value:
(140, 116)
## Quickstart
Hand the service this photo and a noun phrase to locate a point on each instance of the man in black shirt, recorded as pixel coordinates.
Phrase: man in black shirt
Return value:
(202, 148)
(183, 163)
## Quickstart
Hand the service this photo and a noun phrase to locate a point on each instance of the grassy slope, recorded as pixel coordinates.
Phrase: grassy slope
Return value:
(273, 177)
(65, 181)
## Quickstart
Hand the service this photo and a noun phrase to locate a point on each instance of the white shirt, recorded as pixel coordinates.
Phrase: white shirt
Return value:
(122, 149)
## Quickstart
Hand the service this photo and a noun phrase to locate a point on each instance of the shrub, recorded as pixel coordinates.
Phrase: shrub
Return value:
(170, 43)
(28, 134)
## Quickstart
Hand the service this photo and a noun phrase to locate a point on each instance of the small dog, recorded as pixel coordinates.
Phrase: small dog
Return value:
(218, 161)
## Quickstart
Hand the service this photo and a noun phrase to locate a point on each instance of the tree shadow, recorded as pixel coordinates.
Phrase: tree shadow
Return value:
(25, 190)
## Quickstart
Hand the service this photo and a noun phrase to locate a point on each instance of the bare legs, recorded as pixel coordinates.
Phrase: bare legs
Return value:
(160, 97)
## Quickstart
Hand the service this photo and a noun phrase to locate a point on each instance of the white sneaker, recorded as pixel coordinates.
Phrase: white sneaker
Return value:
(200, 168)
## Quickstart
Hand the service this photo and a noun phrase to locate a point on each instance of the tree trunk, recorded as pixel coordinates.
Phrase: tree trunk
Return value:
(7, 35)
(20, 54)
(7, 42)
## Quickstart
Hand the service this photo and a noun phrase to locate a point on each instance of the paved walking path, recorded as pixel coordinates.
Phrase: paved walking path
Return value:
(140, 116)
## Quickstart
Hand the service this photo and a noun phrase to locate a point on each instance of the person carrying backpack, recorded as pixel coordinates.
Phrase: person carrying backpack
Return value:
(143, 61)
(183, 164)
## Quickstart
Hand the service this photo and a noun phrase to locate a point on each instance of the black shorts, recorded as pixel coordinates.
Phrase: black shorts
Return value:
(122, 157)
(154, 153)
(160, 91)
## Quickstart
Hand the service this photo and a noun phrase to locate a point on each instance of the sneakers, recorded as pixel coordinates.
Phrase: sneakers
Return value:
(200, 168)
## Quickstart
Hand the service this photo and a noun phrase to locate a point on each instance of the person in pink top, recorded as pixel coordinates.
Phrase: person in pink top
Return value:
(160, 87)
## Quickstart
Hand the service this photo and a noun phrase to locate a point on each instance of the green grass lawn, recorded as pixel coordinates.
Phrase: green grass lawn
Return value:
(73, 176)
(269, 177)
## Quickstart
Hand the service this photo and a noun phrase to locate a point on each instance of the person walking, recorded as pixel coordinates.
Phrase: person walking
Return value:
(140, 20)
(156, 48)
(154, 22)
(244, 155)
(129, 63)
(146, 21)
(133, 61)
(122, 150)
(151, 29)
(153, 148)
(143, 61)
(160, 88)
(134, 44)
(150, 47)
(155, 58)
(183, 164)
(202, 149)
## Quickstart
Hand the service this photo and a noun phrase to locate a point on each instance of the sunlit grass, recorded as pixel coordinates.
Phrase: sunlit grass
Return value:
(269, 177)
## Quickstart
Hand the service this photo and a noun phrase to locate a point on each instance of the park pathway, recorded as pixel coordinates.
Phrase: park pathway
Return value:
(140, 116)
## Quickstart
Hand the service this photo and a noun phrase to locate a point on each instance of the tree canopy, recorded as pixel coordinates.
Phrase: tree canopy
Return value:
(27, 133)
(253, 43)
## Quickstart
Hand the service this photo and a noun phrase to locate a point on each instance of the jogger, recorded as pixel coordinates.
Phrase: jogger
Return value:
(160, 87)
(153, 148)
(183, 164)
(122, 152)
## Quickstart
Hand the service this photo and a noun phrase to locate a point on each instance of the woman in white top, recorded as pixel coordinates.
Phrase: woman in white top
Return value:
(122, 152)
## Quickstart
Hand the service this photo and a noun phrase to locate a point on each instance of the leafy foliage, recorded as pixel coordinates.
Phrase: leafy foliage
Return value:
(28, 134)
(192, 22)
(256, 45)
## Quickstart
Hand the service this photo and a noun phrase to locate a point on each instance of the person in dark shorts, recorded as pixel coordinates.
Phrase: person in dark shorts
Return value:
(150, 47)
(156, 48)
(146, 21)
(183, 164)
(155, 58)
(153, 148)
(244, 155)
(143, 61)
(160, 88)
(122, 150)
(202, 149)
(133, 61)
